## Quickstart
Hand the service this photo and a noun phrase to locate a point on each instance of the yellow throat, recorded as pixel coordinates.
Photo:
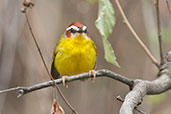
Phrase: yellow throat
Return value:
(75, 55)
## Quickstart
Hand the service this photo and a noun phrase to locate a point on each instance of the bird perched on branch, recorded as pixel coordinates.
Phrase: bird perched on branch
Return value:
(75, 52)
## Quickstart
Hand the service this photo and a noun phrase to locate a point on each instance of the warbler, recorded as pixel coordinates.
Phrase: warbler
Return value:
(75, 52)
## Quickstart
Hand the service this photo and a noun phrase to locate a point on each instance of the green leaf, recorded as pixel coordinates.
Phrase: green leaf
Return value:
(106, 20)
(105, 23)
(109, 53)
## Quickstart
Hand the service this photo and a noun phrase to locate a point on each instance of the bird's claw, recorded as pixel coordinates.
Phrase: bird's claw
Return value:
(63, 81)
(94, 74)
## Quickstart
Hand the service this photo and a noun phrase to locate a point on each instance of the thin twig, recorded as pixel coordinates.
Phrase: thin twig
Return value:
(37, 45)
(159, 31)
(41, 55)
(58, 89)
(136, 108)
(99, 73)
(167, 2)
(9, 90)
(125, 20)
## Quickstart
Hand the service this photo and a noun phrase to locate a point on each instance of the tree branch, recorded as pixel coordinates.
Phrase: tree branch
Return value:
(100, 73)
(136, 108)
(125, 20)
(159, 31)
(142, 88)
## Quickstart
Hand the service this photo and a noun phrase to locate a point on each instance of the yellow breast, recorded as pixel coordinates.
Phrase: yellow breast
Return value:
(75, 55)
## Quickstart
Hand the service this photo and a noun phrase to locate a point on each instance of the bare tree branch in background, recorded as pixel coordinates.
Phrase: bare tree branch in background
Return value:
(125, 20)
(159, 32)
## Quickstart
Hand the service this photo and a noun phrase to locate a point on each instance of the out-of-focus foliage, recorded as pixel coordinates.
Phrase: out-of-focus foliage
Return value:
(155, 99)
(166, 35)
(105, 24)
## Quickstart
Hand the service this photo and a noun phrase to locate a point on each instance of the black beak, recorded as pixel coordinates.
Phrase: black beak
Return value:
(80, 30)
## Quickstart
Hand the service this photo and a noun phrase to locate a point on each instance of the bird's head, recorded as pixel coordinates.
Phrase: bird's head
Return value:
(76, 29)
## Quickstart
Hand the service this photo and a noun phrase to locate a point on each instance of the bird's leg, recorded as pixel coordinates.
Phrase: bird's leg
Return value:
(94, 74)
(63, 81)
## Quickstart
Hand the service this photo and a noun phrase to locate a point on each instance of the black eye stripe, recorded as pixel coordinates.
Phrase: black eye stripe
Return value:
(73, 30)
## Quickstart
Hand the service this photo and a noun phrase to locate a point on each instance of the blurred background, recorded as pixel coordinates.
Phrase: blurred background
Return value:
(20, 63)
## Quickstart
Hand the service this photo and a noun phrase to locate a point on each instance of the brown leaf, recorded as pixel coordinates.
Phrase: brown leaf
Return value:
(56, 108)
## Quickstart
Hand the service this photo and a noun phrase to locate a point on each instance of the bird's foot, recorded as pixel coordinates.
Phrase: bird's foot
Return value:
(94, 74)
(63, 81)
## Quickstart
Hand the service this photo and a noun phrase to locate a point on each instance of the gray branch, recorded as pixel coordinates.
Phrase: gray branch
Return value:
(99, 73)
(143, 87)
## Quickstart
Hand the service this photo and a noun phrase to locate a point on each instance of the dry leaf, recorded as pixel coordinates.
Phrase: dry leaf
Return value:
(56, 108)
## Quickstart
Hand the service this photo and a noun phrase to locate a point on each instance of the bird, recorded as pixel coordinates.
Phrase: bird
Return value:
(75, 52)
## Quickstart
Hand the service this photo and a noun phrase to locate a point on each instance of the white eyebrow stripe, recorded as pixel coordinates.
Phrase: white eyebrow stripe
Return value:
(74, 27)
(84, 28)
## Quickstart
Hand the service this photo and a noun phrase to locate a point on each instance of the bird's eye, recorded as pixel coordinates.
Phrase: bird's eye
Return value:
(85, 31)
(72, 30)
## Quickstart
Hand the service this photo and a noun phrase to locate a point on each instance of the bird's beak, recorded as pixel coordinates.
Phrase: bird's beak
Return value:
(80, 30)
